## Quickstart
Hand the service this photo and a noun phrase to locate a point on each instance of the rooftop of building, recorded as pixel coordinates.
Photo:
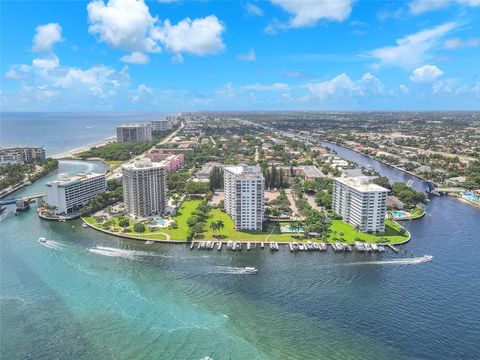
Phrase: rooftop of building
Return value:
(143, 164)
(65, 179)
(132, 125)
(244, 170)
(361, 183)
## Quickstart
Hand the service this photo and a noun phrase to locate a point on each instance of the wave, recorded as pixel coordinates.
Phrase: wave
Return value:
(399, 261)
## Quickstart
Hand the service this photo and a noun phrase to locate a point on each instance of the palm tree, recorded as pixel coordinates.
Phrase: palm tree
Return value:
(214, 226)
(220, 225)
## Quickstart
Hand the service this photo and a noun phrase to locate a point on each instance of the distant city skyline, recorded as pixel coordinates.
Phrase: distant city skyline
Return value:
(172, 55)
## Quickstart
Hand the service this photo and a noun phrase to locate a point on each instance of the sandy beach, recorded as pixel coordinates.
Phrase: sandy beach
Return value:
(77, 150)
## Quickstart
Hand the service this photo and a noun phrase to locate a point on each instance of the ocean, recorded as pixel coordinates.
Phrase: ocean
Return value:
(60, 132)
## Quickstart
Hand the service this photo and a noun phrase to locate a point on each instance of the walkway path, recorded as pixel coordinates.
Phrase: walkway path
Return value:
(293, 205)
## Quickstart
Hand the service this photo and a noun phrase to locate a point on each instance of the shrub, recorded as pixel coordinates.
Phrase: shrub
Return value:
(139, 227)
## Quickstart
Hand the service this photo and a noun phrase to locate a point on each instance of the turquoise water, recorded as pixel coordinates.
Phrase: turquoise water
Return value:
(399, 213)
(470, 197)
(124, 299)
(161, 222)
(288, 229)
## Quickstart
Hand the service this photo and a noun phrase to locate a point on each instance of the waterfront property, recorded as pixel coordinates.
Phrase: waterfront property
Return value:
(339, 231)
(360, 203)
(134, 132)
(144, 187)
(244, 197)
(20, 155)
(68, 194)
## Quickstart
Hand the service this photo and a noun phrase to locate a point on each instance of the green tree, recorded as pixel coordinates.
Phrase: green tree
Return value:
(139, 227)
(124, 223)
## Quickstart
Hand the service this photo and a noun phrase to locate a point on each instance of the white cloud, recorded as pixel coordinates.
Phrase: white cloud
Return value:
(46, 37)
(19, 71)
(342, 86)
(308, 13)
(370, 84)
(253, 10)
(128, 25)
(135, 58)
(426, 73)
(266, 87)
(456, 43)
(404, 89)
(413, 49)
(441, 87)
(123, 24)
(200, 36)
(249, 56)
(418, 7)
(49, 62)
(142, 90)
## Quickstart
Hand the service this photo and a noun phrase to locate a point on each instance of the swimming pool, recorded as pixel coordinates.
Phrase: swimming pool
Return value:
(288, 229)
(399, 213)
(470, 197)
(161, 222)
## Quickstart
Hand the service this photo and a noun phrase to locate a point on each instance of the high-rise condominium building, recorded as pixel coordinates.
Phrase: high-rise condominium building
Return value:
(68, 194)
(360, 203)
(135, 132)
(161, 125)
(144, 187)
(244, 196)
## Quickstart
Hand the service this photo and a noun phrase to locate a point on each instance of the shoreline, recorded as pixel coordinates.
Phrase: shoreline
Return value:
(70, 153)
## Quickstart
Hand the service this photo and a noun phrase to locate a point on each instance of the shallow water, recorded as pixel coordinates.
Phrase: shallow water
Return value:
(130, 300)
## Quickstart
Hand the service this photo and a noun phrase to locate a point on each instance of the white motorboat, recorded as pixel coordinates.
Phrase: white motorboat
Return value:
(149, 242)
(250, 270)
(84, 225)
(42, 240)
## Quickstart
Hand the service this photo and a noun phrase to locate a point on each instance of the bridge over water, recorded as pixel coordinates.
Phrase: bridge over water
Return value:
(26, 198)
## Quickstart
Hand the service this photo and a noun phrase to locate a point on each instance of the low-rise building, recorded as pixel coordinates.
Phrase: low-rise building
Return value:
(204, 173)
(173, 161)
(68, 194)
(360, 203)
(309, 172)
(144, 187)
(134, 132)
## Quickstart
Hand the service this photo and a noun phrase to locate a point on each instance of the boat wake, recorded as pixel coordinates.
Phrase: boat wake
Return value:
(231, 270)
(123, 253)
(52, 244)
(400, 261)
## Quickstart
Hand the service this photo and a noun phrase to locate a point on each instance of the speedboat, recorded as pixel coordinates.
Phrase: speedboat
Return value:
(42, 240)
(149, 242)
(250, 270)
(84, 225)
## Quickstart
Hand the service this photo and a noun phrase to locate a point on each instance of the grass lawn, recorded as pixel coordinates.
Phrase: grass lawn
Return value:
(417, 212)
(272, 232)
(175, 234)
(392, 233)
(230, 233)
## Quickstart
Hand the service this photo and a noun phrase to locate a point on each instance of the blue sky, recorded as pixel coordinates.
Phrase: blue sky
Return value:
(172, 55)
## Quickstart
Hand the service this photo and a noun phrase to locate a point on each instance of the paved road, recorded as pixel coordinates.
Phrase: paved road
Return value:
(117, 173)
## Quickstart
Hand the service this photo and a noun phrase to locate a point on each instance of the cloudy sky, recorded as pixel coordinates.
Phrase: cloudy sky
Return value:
(169, 55)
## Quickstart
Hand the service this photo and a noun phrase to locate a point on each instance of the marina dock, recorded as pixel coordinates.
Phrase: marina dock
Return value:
(358, 247)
